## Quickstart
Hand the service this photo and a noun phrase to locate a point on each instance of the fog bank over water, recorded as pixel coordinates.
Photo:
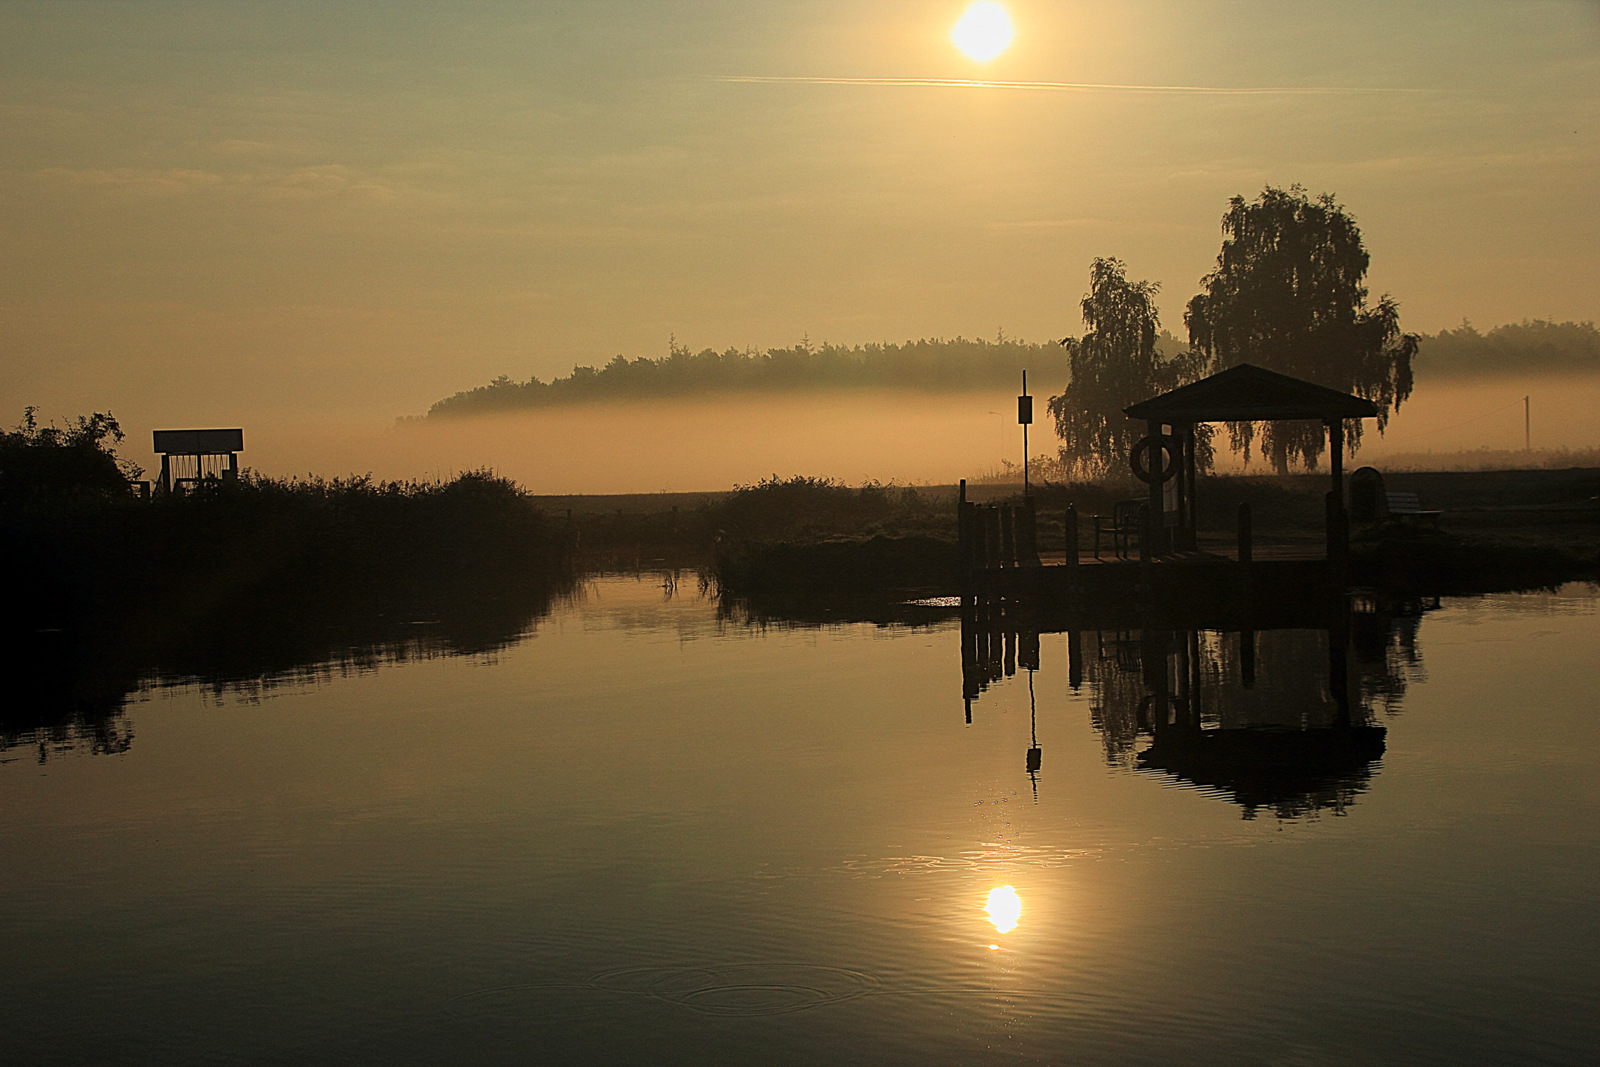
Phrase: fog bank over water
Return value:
(715, 442)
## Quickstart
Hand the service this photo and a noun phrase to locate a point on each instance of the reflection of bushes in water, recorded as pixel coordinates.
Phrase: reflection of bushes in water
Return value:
(264, 578)
(53, 705)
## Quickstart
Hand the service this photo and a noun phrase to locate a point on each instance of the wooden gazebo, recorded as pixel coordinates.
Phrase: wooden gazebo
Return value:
(1244, 393)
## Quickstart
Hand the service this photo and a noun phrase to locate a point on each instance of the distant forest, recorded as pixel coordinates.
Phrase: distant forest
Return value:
(961, 364)
(1531, 345)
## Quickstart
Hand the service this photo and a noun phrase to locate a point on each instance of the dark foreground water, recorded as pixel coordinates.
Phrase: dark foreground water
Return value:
(641, 834)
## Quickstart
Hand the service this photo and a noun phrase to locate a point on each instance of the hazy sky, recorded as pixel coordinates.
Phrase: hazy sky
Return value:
(213, 210)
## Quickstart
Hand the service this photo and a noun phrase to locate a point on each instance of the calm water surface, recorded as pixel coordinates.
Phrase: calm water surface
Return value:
(644, 834)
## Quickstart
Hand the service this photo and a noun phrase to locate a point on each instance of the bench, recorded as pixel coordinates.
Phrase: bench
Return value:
(1120, 525)
(1407, 507)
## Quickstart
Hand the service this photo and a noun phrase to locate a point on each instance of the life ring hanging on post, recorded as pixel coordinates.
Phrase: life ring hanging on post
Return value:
(1139, 461)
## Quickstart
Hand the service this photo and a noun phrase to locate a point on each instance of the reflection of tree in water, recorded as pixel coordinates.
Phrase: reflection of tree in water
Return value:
(1262, 718)
(1383, 645)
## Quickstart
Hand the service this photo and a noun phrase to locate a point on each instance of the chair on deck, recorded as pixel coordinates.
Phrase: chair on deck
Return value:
(1121, 525)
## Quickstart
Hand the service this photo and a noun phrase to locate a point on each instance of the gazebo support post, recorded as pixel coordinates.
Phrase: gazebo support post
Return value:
(1191, 524)
(1336, 520)
(1157, 527)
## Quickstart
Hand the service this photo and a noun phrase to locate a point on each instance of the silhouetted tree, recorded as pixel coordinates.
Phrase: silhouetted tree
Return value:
(79, 459)
(1116, 363)
(1287, 294)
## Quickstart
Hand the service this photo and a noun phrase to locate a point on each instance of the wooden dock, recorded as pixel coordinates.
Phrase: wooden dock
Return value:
(1240, 585)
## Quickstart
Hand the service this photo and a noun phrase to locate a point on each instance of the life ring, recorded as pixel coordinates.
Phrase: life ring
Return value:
(1137, 458)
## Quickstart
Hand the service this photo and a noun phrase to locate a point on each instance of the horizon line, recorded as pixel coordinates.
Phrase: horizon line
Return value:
(1050, 86)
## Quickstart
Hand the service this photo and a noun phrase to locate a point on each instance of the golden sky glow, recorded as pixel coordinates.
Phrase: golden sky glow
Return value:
(212, 210)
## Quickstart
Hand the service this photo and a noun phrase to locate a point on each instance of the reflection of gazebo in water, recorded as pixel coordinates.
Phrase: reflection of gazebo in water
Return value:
(1288, 737)
(1272, 702)
(1244, 393)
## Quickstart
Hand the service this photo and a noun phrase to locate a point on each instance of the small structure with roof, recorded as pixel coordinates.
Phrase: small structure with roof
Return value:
(189, 457)
(1244, 393)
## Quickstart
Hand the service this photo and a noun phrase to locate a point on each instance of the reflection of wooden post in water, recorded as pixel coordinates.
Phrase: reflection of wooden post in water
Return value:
(1074, 660)
(1339, 666)
(1247, 658)
(1011, 653)
(1028, 650)
(1153, 646)
(1035, 753)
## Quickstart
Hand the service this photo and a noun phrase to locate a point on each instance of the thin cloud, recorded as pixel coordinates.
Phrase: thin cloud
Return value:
(1061, 87)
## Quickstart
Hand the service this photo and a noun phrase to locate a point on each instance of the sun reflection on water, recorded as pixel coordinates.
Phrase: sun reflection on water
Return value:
(1004, 908)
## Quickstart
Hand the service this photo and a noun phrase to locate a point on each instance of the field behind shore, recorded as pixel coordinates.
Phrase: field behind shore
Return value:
(708, 444)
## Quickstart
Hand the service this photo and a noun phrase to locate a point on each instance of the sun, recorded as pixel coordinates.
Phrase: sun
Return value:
(983, 31)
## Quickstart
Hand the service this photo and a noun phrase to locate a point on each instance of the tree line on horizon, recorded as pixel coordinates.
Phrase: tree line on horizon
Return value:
(958, 364)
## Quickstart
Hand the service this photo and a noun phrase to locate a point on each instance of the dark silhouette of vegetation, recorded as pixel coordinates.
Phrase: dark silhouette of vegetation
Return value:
(1117, 362)
(260, 576)
(932, 365)
(1531, 346)
(53, 462)
(787, 542)
(1287, 295)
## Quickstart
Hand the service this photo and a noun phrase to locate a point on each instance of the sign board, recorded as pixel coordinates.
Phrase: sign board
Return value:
(198, 442)
(1024, 410)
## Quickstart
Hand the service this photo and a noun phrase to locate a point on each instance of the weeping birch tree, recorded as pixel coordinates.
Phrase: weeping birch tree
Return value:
(1287, 294)
(1114, 364)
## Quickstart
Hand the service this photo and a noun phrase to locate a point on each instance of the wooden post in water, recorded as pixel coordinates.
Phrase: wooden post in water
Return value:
(1070, 528)
(1247, 658)
(991, 536)
(1155, 498)
(1008, 536)
(1246, 536)
(1336, 538)
(963, 537)
(1028, 534)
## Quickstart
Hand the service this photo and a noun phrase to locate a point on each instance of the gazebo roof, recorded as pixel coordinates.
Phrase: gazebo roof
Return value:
(1247, 393)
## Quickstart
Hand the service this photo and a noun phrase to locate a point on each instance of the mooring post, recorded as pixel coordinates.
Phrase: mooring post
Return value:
(1008, 536)
(991, 536)
(1070, 528)
(1336, 551)
(961, 523)
(1028, 533)
(1247, 658)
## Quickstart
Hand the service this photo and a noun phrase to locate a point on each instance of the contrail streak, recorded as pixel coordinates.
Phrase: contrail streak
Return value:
(1057, 87)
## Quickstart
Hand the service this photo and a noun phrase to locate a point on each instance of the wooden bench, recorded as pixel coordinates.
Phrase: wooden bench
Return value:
(1121, 525)
(1407, 507)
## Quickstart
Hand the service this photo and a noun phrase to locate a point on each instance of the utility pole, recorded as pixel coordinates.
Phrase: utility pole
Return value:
(1024, 417)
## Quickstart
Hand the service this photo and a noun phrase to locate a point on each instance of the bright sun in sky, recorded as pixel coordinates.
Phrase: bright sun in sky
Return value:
(983, 31)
